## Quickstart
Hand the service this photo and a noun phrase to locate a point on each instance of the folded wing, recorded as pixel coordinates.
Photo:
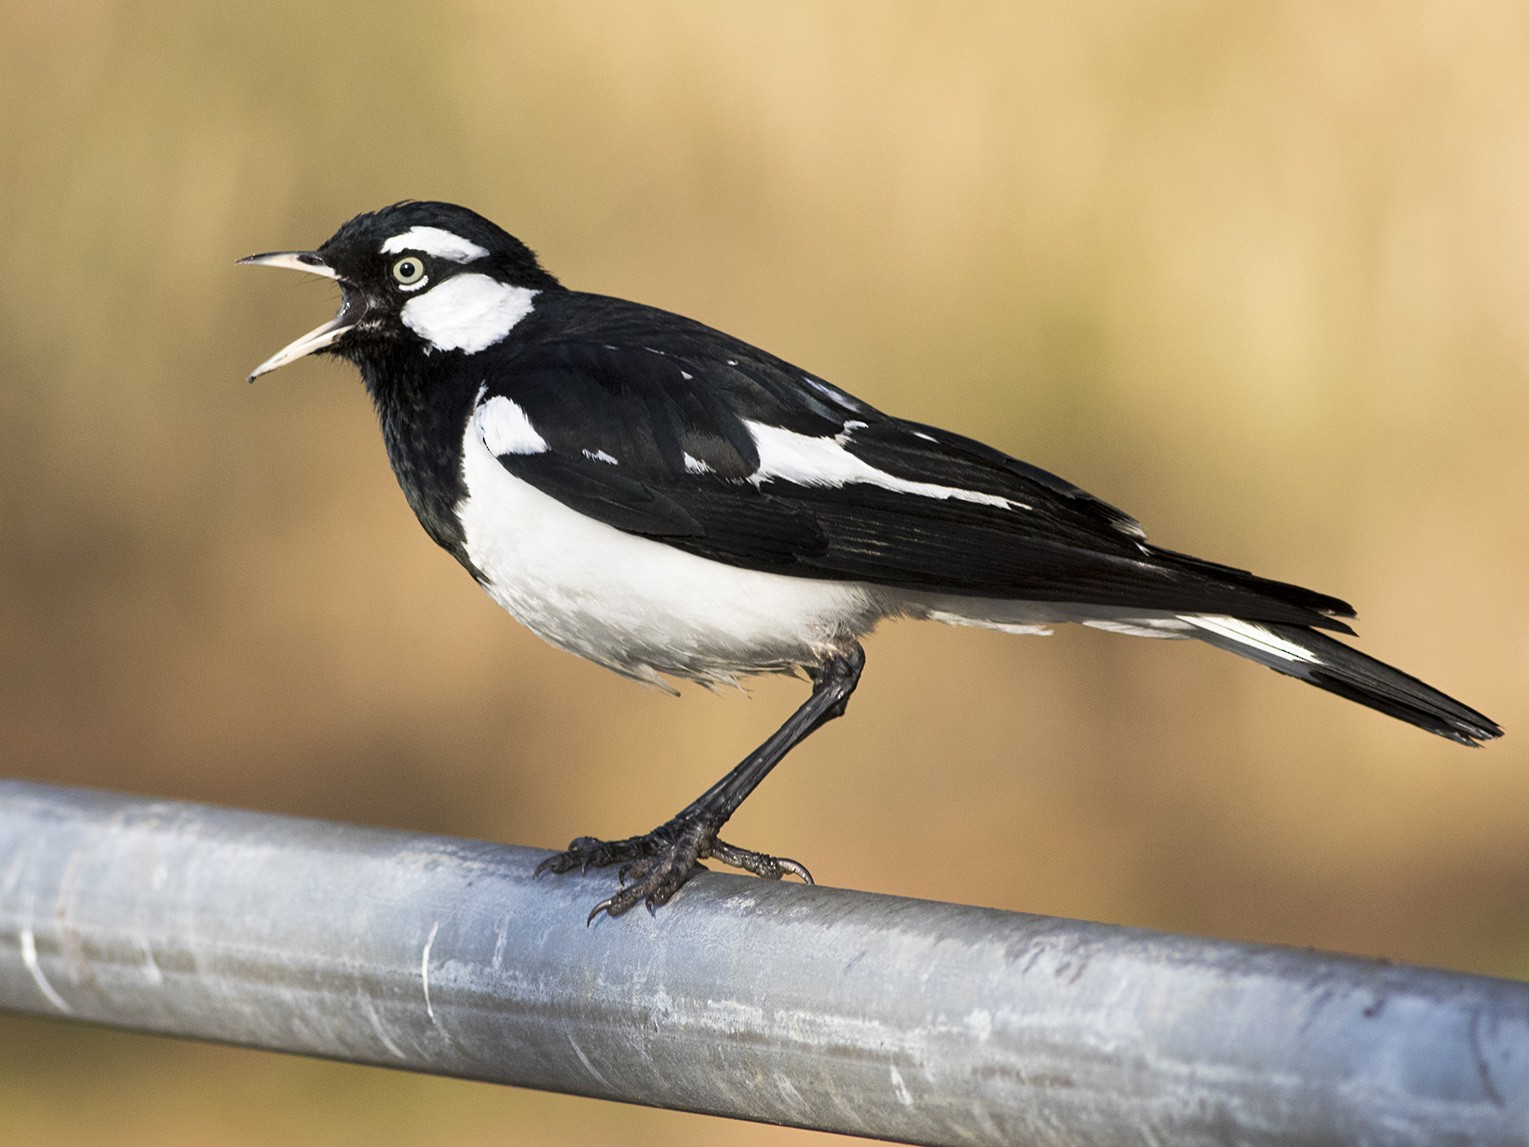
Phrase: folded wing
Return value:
(743, 459)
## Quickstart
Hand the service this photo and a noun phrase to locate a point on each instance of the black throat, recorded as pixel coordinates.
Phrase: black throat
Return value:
(424, 402)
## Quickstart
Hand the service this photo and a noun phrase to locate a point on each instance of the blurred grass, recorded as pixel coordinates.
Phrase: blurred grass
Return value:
(1257, 273)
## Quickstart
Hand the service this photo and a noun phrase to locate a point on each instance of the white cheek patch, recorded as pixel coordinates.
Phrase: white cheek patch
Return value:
(505, 429)
(435, 241)
(793, 457)
(467, 312)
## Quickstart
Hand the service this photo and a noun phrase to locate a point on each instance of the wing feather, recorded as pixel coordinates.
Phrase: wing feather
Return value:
(673, 415)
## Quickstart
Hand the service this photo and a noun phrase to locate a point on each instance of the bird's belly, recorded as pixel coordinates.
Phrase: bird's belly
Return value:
(638, 606)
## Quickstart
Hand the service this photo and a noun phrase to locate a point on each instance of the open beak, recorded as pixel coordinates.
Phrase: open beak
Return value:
(320, 337)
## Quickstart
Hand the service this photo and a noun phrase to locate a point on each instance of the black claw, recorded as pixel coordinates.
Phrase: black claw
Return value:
(656, 866)
(661, 862)
(795, 868)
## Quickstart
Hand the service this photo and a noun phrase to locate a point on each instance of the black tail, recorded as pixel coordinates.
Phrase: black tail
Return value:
(1316, 658)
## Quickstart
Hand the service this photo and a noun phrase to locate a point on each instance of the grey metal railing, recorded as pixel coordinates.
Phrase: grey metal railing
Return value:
(816, 1007)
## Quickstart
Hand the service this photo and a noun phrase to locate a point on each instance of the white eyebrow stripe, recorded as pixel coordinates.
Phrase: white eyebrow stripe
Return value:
(810, 461)
(505, 429)
(435, 241)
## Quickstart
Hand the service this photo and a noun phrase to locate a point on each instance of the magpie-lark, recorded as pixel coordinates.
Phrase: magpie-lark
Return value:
(668, 501)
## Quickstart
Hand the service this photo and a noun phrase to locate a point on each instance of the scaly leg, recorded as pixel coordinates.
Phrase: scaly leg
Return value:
(660, 862)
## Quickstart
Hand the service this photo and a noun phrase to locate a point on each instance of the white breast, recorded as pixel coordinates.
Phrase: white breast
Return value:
(638, 606)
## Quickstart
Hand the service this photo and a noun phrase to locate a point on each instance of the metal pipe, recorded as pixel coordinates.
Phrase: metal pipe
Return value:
(815, 1007)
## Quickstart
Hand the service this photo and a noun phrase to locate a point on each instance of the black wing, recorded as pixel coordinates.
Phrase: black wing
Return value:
(646, 417)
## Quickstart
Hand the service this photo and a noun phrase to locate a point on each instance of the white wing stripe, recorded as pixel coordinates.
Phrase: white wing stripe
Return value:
(1253, 636)
(505, 429)
(793, 457)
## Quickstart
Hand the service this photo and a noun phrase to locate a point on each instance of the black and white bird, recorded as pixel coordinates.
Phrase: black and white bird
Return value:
(671, 502)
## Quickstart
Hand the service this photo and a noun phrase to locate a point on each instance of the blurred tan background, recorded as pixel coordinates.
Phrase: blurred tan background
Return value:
(1257, 273)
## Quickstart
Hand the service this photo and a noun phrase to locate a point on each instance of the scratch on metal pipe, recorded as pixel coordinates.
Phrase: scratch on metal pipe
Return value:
(29, 958)
(424, 968)
(70, 943)
(589, 1067)
(789, 1093)
(150, 968)
(1483, 1069)
(12, 875)
(376, 1022)
(501, 940)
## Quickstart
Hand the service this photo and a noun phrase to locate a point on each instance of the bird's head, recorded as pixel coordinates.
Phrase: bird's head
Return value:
(431, 277)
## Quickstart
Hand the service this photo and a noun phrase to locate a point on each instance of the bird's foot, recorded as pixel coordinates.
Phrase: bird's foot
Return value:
(658, 864)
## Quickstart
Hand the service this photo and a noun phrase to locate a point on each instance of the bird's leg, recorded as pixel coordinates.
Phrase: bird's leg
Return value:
(660, 862)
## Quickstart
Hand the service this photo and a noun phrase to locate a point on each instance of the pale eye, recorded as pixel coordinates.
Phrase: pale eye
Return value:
(409, 270)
